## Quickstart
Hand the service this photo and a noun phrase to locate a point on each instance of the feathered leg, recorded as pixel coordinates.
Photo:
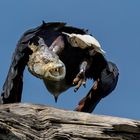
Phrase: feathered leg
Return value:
(102, 87)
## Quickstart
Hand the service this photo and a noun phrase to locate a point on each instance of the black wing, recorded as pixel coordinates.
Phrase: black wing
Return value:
(102, 87)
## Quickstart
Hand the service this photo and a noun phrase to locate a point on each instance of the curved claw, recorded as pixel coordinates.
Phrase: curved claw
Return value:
(79, 80)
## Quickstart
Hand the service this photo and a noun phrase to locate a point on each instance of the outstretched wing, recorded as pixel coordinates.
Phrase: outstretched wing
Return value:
(12, 87)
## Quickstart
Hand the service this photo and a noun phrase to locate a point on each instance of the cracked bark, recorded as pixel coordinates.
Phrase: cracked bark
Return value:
(39, 122)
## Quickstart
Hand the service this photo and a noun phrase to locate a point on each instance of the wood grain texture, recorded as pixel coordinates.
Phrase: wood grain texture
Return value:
(39, 122)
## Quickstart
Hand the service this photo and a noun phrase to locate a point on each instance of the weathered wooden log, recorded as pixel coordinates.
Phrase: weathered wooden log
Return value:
(38, 122)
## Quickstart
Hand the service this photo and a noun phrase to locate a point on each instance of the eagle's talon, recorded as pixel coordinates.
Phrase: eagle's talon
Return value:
(76, 89)
(84, 82)
(78, 85)
(79, 80)
(84, 85)
(76, 80)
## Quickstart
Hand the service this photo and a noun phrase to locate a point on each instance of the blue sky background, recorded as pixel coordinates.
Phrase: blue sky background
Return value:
(115, 24)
